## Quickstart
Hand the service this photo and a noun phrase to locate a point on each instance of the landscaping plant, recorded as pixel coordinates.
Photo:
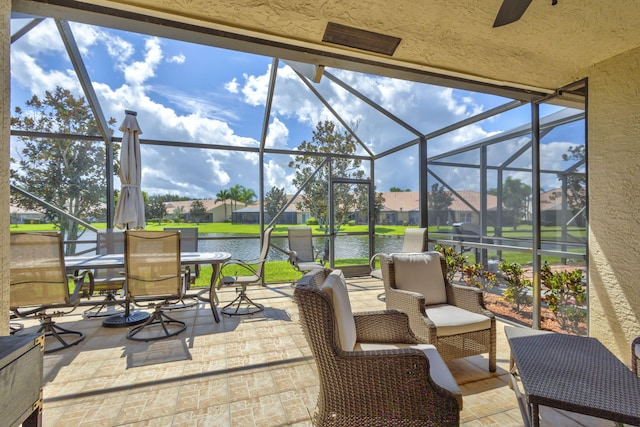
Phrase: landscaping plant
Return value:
(564, 295)
(455, 260)
(517, 285)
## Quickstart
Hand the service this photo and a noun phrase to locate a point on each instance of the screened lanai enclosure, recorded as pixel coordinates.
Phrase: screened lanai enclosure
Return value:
(499, 177)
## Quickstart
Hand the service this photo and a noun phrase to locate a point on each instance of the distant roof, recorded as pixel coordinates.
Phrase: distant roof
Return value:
(410, 201)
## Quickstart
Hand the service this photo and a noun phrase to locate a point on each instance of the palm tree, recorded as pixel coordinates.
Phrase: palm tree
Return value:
(234, 195)
(248, 196)
(223, 196)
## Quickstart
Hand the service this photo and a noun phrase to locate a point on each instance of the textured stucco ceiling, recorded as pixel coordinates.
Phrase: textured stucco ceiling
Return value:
(549, 47)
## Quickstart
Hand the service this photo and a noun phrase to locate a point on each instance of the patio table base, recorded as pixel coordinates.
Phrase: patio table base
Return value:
(124, 320)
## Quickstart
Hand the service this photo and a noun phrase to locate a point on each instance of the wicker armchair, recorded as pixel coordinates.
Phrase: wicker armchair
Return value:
(451, 317)
(635, 356)
(372, 371)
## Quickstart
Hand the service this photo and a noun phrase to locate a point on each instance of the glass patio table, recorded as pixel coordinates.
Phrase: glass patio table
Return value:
(86, 262)
(571, 373)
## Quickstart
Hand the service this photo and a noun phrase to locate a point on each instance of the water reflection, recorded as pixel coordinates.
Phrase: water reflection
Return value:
(346, 246)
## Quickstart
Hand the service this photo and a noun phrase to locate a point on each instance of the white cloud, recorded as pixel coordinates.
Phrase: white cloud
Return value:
(137, 72)
(177, 59)
(232, 86)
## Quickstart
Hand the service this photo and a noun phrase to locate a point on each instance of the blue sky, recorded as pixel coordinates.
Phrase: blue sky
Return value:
(187, 92)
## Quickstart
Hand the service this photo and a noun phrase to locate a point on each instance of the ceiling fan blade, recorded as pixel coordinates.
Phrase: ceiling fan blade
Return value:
(510, 11)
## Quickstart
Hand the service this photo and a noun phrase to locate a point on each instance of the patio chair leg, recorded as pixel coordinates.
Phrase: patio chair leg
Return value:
(251, 307)
(157, 318)
(50, 329)
(102, 310)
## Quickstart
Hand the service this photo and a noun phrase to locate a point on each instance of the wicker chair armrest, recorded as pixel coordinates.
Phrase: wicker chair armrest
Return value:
(467, 298)
(387, 380)
(391, 326)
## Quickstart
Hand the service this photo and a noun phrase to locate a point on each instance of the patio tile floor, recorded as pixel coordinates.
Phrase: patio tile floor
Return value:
(245, 371)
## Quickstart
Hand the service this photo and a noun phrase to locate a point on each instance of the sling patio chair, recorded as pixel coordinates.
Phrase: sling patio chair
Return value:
(188, 243)
(302, 255)
(107, 281)
(39, 286)
(153, 273)
(415, 240)
(371, 367)
(451, 317)
(255, 268)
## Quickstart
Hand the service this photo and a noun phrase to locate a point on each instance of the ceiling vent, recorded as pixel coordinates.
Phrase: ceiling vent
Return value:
(360, 39)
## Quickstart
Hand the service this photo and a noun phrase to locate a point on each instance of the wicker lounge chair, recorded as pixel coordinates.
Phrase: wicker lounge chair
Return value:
(39, 285)
(255, 268)
(415, 240)
(302, 255)
(372, 371)
(153, 273)
(451, 317)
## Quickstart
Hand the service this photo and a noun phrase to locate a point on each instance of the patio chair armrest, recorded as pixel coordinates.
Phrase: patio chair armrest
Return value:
(372, 261)
(468, 298)
(390, 326)
(79, 280)
(386, 374)
(245, 265)
(293, 257)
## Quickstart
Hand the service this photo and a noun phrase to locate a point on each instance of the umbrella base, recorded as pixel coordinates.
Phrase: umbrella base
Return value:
(124, 320)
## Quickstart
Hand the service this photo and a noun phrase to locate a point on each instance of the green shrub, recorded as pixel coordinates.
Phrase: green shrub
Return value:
(517, 285)
(565, 296)
(311, 221)
(455, 260)
(475, 275)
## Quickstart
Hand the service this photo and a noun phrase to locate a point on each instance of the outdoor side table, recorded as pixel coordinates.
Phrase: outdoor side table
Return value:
(21, 364)
(572, 373)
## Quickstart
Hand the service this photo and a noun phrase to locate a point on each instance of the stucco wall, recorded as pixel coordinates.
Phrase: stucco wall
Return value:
(5, 44)
(614, 201)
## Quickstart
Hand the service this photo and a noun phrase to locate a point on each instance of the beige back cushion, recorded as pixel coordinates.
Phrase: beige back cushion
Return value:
(421, 273)
(336, 289)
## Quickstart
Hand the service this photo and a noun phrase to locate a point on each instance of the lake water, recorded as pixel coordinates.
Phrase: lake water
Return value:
(247, 249)
(346, 246)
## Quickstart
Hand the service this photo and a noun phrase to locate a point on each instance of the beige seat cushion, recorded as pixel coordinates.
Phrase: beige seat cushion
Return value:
(438, 370)
(421, 273)
(452, 320)
(336, 289)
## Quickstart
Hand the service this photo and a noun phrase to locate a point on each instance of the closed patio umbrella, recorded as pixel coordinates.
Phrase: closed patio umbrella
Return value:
(130, 207)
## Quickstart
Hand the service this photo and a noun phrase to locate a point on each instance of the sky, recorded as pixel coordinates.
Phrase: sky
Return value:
(191, 93)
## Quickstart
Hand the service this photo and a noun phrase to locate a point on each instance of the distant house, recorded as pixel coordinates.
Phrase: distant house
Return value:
(403, 207)
(215, 210)
(251, 214)
(552, 213)
(19, 215)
